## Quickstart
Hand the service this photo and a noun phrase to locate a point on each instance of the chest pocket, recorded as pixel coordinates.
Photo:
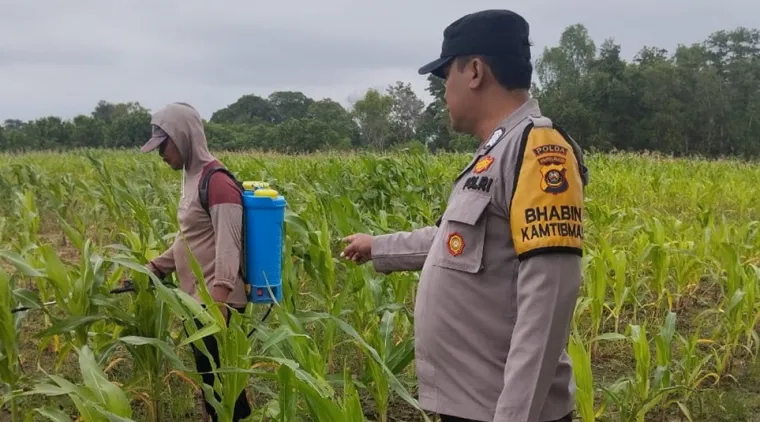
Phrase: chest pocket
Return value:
(462, 233)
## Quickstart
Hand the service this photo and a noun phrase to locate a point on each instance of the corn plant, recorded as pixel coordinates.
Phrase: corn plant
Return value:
(97, 399)
(76, 292)
(10, 370)
(666, 242)
(144, 331)
(584, 378)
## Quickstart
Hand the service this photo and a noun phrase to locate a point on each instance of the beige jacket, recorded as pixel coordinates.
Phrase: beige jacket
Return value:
(214, 240)
(500, 276)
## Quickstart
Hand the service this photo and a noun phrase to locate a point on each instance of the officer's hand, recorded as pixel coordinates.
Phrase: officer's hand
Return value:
(359, 248)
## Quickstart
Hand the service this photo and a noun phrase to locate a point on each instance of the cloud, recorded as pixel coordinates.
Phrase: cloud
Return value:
(61, 58)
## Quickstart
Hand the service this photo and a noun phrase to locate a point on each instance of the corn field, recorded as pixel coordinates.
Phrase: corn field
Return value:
(665, 328)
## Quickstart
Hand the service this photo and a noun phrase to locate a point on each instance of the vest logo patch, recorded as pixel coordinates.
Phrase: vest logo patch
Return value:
(553, 171)
(483, 164)
(554, 180)
(455, 244)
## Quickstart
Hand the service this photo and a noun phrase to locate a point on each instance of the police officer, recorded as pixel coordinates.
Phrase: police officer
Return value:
(501, 268)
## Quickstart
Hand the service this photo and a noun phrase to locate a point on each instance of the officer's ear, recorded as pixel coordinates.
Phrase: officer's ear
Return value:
(476, 72)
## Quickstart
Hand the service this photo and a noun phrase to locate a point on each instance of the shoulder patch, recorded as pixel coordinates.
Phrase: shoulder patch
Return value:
(483, 164)
(546, 211)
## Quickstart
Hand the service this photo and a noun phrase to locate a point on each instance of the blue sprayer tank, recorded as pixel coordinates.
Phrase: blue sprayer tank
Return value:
(264, 216)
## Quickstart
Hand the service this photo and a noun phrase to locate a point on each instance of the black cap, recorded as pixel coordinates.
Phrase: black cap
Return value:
(496, 33)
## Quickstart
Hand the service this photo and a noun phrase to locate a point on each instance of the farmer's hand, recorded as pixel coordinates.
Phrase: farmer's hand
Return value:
(359, 248)
(152, 268)
(156, 272)
(219, 294)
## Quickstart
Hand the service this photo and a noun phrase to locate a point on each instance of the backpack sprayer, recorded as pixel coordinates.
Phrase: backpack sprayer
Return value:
(264, 215)
(262, 235)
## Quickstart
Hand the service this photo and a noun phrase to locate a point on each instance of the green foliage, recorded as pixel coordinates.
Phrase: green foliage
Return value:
(701, 100)
(97, 399)
(667, 314)
(372, 115)
(414, 147)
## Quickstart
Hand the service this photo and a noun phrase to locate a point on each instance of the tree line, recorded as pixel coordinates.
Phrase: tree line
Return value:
(703, 99)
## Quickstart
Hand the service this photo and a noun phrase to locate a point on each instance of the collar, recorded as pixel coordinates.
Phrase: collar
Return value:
(528, 108)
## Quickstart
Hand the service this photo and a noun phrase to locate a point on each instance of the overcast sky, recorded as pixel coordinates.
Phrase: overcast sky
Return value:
(60, 58)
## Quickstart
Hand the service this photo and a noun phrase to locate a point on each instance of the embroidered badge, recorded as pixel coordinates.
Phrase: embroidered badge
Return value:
(456, 244)
(552, 161)
(483, 164)
(553, 180)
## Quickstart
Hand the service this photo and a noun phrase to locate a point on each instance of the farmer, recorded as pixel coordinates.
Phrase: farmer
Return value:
(213, 237)
(501, 268)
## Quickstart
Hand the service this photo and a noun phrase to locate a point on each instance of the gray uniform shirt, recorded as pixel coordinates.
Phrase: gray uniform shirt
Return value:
(500, 277)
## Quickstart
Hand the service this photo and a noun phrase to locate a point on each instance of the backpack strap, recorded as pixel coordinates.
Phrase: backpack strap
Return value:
(203, 188)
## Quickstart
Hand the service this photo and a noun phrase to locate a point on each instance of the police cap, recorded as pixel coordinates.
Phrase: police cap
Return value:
(495, 33)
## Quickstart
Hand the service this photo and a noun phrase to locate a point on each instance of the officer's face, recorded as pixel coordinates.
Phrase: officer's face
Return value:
(458, 94)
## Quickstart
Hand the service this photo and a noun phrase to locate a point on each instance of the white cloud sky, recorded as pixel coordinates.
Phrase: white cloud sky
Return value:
(61, 58)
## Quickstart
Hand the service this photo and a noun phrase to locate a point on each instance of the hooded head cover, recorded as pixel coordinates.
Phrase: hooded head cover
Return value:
(183, 125)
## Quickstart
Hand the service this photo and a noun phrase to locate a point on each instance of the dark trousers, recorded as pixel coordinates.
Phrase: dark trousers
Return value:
(202, 364)
(447, 418)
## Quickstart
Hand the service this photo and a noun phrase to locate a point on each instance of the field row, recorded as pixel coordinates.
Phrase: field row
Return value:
(666, 325)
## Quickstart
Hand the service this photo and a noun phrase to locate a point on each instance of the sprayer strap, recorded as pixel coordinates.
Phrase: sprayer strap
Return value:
(203, 188)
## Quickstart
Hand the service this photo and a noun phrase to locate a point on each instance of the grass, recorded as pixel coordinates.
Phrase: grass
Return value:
(665, 328)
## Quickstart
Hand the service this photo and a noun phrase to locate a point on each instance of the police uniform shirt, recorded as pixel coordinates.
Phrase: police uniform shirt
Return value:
(500, 276)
